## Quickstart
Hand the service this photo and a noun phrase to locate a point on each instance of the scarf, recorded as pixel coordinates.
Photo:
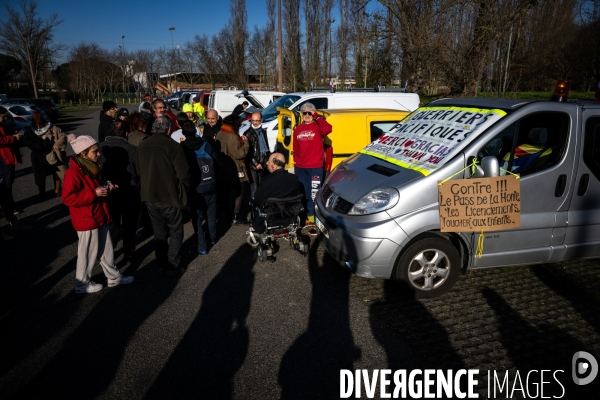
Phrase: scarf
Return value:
(88, 167)
(262, 144)
(229, 129)
(42, 131)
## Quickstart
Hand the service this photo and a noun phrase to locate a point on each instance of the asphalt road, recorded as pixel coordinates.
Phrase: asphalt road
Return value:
(233, 327)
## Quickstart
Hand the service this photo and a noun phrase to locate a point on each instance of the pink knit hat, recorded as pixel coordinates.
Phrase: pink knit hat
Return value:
(80, 143)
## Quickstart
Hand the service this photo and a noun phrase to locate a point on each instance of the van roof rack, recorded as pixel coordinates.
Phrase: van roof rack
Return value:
(397, 90)
(323, 89)
(362, 89)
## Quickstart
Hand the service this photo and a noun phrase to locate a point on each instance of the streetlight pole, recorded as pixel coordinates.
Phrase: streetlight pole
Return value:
(279, 48)
(330, 22)
(172, 47)
(123, 66)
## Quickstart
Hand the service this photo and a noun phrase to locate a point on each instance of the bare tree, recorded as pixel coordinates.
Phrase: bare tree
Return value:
(238, 26)
(292, 61)
(206, 59)
(343, 40)
(29, 38)
(271, 33)
(223, 46)
(260, 53)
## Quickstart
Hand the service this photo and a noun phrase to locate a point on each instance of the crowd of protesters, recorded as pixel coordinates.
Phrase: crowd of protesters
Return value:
(150, 171)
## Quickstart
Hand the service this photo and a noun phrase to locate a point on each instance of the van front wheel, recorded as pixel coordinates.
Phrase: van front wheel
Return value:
(429, 267)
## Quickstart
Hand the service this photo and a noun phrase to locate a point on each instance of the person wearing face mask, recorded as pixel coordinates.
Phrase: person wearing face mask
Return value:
(85, 195)
(258, 153)
(48, 144)
(107, 117)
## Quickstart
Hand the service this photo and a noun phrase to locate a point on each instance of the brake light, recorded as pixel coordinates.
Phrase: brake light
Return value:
(561, 91)
(328, 158)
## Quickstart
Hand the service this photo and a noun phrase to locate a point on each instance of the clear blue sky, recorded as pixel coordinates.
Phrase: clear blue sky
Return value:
(145, 24)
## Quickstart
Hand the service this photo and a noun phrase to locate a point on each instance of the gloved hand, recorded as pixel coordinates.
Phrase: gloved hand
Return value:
(315, 115)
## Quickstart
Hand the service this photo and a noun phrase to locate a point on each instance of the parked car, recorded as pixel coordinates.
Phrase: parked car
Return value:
(378, 213)
(224, 101)
(353, 129)
(20, 114)
(47, 105)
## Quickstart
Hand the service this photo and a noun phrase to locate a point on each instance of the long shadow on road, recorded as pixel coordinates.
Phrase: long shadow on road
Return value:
(88, 361)
(310, 368)
(215, 345)
(536, 348)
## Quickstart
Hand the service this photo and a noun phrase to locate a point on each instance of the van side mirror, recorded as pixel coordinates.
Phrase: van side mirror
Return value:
(489, 168)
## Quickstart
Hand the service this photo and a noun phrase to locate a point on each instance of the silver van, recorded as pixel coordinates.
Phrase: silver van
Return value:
(377, 212)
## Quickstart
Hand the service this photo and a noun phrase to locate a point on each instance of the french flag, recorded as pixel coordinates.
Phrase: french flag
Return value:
(379, 86)
(331, 83)
(312, 85)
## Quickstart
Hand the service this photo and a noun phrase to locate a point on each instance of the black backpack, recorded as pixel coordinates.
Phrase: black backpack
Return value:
(208, 179)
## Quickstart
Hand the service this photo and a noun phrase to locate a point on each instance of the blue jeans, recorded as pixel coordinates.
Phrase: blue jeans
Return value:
(311, 179)
(204, 207)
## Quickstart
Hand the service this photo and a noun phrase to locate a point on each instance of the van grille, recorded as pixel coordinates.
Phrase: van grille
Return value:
(342, 206)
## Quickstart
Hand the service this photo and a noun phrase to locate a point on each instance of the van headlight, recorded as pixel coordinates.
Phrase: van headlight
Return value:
(375, 201)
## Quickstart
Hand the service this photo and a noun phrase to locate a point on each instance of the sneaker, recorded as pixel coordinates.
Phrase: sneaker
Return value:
(91, 287)
(121, 280)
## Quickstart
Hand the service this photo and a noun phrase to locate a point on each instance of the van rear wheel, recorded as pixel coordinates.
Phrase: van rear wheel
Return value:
(429, 267)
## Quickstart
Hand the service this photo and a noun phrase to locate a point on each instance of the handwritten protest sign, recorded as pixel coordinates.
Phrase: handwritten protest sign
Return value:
(429, 137)
(491, 204)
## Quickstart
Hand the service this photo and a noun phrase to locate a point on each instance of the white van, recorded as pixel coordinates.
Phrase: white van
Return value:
(328, 100)
(224, 101)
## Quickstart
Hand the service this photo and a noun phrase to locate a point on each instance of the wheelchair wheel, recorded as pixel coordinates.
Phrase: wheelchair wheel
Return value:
(262, 253)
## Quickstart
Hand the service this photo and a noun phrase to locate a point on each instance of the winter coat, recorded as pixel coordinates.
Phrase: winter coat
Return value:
(255, 157)
(118, 166)
(104, 126)
(136, 137)
(308, 143)
(164, 171)
(87, 211)
(232, 152)
(7, 152)
(41, 141)
(210, 132)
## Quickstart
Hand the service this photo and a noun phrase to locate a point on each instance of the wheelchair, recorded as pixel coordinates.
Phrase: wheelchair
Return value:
(278, 219)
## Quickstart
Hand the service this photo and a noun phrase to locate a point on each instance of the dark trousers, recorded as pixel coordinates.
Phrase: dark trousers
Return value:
(311, 179)
(256, 177)
(6, 203)
(125, 212)
(204, 207)
(167, 222)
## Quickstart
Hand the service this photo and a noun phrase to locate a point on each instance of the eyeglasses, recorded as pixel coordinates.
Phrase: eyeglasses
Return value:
(307, 113)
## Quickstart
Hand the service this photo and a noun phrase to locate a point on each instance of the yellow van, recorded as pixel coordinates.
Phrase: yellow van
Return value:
(353, 129)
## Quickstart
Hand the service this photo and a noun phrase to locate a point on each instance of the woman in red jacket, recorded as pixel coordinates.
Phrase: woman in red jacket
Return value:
(86, 198)
(308, 154)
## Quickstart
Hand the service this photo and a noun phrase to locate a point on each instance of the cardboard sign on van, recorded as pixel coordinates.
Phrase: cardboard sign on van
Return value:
(469, 205)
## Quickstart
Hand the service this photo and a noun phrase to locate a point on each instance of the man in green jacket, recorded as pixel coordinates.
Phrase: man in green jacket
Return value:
(165, 178)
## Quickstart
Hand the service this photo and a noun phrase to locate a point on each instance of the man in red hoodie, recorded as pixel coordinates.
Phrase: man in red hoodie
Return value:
(308, 154)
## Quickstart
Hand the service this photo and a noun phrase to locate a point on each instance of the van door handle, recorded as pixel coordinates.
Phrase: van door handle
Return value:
(560, 186)
(583, 184)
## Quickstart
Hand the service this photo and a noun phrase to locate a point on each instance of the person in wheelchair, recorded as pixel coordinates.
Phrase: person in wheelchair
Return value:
(278, 184)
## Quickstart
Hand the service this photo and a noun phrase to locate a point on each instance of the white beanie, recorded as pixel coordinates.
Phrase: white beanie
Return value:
(80, 143)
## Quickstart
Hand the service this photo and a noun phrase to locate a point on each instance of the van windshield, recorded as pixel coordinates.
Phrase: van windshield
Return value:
(431, 136)
(270, 113)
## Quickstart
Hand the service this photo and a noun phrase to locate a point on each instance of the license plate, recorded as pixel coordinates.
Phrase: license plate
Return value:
(321, 227)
